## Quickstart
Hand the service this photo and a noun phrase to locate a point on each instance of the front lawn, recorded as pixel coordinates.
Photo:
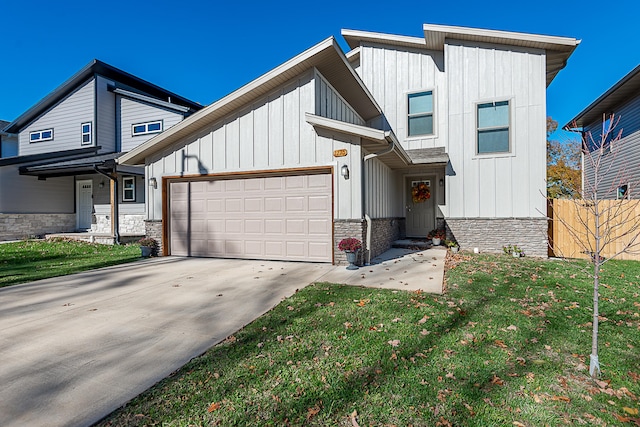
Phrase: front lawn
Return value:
(508, 345)
(29, 260)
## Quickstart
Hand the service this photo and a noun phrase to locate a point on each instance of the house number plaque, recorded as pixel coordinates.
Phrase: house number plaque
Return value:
(340, 153)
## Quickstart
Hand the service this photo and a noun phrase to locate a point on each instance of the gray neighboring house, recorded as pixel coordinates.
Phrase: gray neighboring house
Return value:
(8, 142)
(58, 171)
(622, 180)
(331, 145)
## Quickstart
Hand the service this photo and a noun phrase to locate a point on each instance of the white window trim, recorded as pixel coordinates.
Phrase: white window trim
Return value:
(146, 126)
(90, 133)
(511, 151)
(40, 139)
(433, 114)
(125, 189)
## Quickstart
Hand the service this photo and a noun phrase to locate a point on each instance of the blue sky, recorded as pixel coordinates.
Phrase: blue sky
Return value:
(203, 50)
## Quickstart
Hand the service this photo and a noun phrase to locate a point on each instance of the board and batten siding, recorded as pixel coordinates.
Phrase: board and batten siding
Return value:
(391, 73)
(271, 133)
(65, 118)
(383, 190)
(625, 153)
(500, 185)
(134, 112)
(331, 105)
(104, 127)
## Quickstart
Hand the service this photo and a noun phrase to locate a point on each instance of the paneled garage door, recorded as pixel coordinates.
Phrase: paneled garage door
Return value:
(273, 218)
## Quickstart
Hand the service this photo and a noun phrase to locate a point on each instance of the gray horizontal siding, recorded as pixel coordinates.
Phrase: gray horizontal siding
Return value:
(65, 118)
(105, 126)
(133, 112)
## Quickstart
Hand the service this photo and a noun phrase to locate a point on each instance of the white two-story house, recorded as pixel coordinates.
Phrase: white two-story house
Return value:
(60, 173)
(397, 137)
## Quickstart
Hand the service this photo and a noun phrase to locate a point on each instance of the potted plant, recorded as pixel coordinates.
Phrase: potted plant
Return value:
(514, 250)
(351, 246)
(148, 246)
(436, 236)
(452, 245)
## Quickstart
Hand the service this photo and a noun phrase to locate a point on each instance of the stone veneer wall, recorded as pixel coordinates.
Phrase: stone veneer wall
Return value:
(153, 229)
(20, 226)
(343, 228)
(384, 231)
(129, 224)
(490, 235)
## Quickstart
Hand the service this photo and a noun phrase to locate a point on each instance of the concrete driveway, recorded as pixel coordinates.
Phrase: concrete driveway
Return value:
(75, 348)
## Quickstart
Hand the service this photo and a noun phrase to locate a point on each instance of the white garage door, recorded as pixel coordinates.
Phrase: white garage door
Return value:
(273, 218)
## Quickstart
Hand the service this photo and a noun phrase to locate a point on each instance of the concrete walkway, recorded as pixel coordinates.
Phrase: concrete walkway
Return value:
(75, 348)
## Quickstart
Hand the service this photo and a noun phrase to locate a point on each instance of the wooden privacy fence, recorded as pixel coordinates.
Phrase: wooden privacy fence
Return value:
(570, 238)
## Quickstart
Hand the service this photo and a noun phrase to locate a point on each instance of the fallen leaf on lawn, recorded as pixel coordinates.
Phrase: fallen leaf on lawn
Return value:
(290, 308)
(347, 325)
(602, 384)
(363, 302)
(630, 411)
(500, 343)
(311, 412)
(424, 319)
(424, 332)
(561, 398)
(497, 380)
(621, 418)
(396, 320)
(518, 424)
(353, 417)
(537, 398)
(512, 328)
(213, 407)
(394, 343)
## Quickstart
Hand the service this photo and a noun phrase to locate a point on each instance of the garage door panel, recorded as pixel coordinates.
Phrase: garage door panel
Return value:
(276, 217)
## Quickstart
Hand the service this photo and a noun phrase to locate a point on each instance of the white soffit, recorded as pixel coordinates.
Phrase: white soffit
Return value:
(355, 37)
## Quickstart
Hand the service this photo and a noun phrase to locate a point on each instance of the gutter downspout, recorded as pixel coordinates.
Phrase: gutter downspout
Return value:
(115, 215)
(390, 148)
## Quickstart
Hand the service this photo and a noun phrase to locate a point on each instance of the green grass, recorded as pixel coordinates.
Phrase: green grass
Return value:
(29, 260)
(507, 345)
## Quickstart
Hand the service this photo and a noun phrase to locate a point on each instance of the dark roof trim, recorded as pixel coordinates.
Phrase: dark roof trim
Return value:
(151, 100)
(79, 166)
(623, 90)
(92, 69)
(46, 156)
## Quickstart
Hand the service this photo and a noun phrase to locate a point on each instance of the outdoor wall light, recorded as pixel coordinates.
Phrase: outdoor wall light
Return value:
(344, 171)
(153, 182)
(101, 185)
(441, 182)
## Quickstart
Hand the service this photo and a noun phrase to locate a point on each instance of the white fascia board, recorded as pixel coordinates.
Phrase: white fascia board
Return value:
(344, 127)
(193, 122)
(353, 54)
(496, 36)
(351, 36)
(390, 136)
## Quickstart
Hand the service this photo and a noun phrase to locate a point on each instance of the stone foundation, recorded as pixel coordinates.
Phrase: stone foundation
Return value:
(153, 229)
(490, 235)
(384, 231)
(343, 228)
(129, 224)
(21, 226)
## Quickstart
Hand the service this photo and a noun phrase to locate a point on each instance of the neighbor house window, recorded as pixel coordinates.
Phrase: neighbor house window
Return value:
(623, 192)
(420, 115)
(493, 127)
(146, 128)
(86, 133)
(129, 189)
(41, 135)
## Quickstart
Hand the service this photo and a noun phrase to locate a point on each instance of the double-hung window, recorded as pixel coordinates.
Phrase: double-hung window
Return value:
(146, 128)
(86, 133)
(41, 135)
(420, 113)
(129, 189)
(493, 127)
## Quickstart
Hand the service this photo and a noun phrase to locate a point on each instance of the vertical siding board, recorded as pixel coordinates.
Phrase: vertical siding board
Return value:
(219, 148)
(206, 151)
(232, 143)
(261, 133)
(308, 96)
(292, 124)
(275, 130)
(246, 127)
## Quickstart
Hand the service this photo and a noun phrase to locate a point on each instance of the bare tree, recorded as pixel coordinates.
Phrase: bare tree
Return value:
(604, 224)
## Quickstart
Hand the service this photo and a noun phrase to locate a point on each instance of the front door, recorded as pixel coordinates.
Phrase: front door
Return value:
(84, 204)
(420, 206)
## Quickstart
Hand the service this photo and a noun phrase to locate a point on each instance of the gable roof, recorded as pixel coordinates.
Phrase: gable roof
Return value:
(3, 124)
(326, 57)
(95, 67)
(558, 49)
(626, 88)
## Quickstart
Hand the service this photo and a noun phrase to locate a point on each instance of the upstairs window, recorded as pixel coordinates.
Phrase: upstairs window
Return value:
(129, 189)
(493, 127)
(146, 128)
(41, 135)
(420, 116)
(623, 192)
(86, 133)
